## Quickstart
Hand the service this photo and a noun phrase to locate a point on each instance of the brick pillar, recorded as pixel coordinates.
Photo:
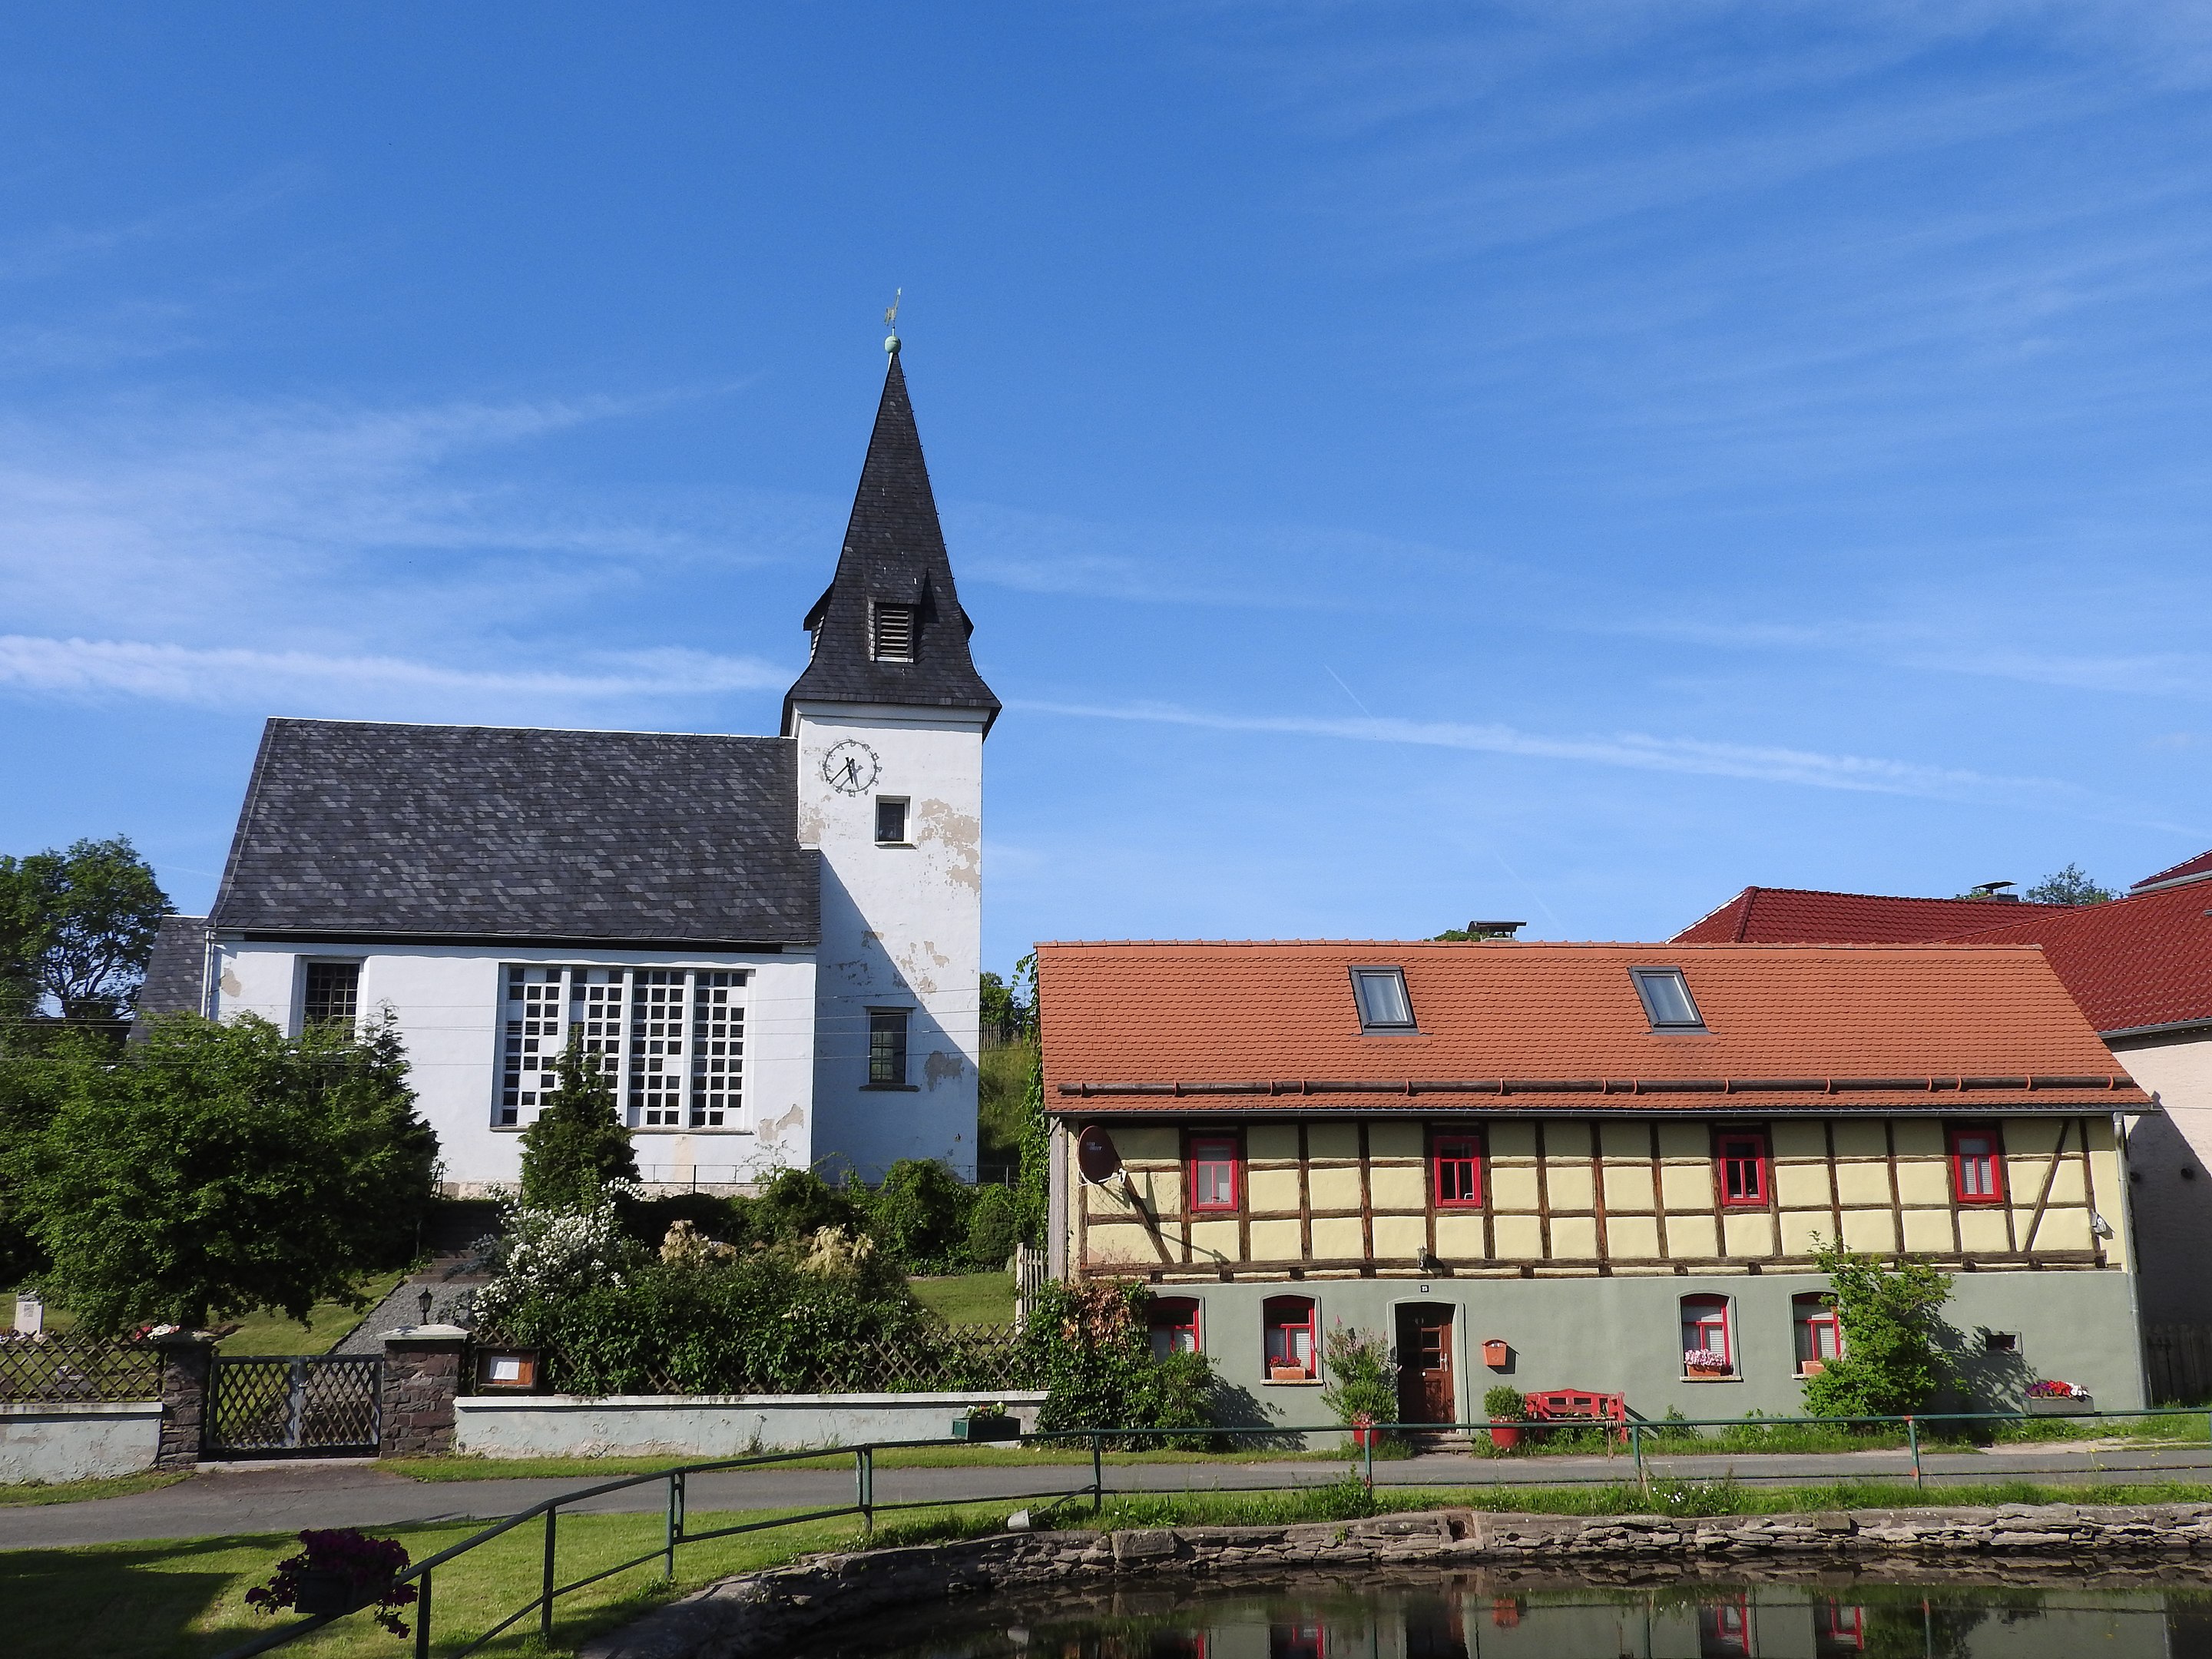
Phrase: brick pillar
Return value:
(422, 1375)
(187, 1358)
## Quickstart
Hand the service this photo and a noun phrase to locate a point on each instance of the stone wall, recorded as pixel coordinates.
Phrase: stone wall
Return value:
(422, 1377)
(760, 1614)
(187, 1358)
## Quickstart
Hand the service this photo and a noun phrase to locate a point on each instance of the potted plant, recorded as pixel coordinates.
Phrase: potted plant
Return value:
(1506, 1409)
(336, 1571)
(1706, 1364)
(2049, 1397)
(992, 1422)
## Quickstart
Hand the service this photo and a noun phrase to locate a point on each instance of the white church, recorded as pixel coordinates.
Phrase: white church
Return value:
(772, 943)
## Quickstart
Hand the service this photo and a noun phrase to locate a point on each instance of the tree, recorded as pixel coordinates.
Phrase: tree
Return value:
(77, 926)
(1892, 1362)
(577, 1143)
(219, 1169)
(2071, 885)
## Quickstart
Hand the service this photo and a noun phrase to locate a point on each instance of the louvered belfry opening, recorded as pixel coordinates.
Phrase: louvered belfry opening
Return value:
(891, 638)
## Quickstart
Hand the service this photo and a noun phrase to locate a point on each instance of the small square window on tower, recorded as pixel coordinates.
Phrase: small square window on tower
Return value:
(887, 1029)
(891, 820)
(333, 994)
(891, 633)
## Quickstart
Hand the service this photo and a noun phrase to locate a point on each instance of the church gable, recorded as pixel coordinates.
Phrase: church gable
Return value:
(468, 833)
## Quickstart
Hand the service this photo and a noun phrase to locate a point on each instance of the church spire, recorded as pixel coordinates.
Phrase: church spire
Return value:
(889, 628)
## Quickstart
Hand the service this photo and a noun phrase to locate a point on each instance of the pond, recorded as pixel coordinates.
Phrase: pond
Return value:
(1474, 1616)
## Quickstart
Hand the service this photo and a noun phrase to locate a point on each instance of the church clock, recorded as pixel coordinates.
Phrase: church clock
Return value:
(851, 768)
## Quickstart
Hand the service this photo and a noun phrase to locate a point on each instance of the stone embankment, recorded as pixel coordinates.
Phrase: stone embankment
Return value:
(762, 1613)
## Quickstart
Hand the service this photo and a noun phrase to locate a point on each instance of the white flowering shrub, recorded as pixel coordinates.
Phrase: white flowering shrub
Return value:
(552, 1253)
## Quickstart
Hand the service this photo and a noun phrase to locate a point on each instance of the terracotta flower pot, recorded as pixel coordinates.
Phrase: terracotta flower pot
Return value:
(1813, 1368)
(1286, 1374)
(1504, 1435)
(1708, 1373)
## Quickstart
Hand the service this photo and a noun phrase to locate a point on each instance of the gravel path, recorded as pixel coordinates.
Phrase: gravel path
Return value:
(285, 1497)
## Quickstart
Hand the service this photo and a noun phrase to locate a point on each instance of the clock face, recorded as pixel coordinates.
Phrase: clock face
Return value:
(851, 768)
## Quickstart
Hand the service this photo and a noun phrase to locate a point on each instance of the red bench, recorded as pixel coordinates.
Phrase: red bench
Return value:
(1580, 1405)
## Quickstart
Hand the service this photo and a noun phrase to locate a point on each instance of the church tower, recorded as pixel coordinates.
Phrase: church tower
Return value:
(890, 716)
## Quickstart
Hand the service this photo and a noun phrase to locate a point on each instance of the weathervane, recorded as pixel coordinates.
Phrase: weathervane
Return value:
(891, 322)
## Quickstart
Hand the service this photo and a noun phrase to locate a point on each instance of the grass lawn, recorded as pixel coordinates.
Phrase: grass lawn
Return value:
(269, 1331)
(185, 1598)
(73, 1491)
(968, 1299)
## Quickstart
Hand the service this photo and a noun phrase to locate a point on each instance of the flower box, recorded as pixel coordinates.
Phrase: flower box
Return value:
(1707, 1373)
(2048, 1404)
(986, 1425)
(1812, 1367)
(1287, 1374)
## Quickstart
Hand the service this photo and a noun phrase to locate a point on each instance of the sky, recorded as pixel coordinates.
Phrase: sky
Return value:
(1558, 461)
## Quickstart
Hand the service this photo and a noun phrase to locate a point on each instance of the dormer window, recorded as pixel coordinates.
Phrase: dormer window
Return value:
(1667, 1000)
(1384, 1004)
(891, 633)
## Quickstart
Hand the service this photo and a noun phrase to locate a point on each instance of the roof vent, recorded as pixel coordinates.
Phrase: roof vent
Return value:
(1494, 929)
(1992, 890)
(891, 636)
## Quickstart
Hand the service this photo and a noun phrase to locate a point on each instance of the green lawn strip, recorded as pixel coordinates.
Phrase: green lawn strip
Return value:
(968, 1299)
(271, 1332)
(72, 1492)
(153, 1601)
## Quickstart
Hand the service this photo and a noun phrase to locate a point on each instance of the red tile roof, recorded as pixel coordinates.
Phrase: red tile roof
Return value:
(1254, 1026)
(1797, 915)
(2196, 869)
(2145, 960)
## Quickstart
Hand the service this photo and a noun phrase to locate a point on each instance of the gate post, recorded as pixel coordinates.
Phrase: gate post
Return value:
(422, 1376)
(187, 1358)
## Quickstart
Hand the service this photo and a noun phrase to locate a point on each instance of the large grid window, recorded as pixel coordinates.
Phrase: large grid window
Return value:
(887, 1034)
(333, 995)
(670, 1040)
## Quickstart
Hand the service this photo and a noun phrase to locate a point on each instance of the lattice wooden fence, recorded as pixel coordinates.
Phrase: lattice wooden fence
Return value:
(47, 1370)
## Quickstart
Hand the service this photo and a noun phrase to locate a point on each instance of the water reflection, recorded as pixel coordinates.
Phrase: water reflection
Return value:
(1468, 1618)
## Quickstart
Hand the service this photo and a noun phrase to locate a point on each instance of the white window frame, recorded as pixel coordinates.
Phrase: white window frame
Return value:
(689, 1080)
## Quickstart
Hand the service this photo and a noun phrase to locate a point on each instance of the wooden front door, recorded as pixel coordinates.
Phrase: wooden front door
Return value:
(1425, 1365)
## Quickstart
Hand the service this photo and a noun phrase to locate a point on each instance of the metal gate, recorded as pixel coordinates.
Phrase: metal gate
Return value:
(300, 1405)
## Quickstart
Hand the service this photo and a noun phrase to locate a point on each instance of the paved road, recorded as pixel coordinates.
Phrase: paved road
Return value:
(283, 1497)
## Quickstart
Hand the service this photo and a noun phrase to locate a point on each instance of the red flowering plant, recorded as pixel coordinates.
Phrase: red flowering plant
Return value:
(2051, 1388)
(338, 1571)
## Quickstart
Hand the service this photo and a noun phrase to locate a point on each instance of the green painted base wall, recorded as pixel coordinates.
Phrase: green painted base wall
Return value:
(1622, 1336)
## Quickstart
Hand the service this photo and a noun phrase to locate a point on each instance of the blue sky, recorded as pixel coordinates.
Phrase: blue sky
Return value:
(1406, 463)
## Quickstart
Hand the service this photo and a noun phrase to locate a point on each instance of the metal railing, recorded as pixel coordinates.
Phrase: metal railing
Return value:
(1639, 1436)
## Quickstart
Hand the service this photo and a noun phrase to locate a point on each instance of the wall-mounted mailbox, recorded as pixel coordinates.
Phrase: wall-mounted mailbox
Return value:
(1495, 1352)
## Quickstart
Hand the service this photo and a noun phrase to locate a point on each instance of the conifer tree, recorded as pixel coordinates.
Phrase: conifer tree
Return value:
(577, 1144)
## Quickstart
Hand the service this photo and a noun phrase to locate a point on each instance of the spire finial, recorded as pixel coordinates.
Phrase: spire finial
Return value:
(891, 322)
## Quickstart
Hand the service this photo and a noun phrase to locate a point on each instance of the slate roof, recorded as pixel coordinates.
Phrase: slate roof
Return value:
(472, 832)
(894, 552)
(1272, 1027)
(174, 971)
(1795, 915)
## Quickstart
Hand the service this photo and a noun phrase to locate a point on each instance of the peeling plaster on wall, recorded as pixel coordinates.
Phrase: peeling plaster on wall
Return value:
(809, 825)
(961, 835)
(231, 987)
(772, 1132)
(941, 1067)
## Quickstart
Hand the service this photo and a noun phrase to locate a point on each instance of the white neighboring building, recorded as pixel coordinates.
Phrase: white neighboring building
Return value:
(773, 943)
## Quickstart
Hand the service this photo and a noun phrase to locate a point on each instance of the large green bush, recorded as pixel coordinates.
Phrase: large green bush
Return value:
(1892, 1361)
(1089, 1346)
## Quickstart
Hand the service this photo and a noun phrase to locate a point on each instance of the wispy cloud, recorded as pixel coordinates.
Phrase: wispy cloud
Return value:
(98, 670)
(1631, 750)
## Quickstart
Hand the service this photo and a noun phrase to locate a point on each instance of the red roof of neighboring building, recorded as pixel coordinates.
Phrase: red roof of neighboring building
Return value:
(2144, 960)
(1260, 1026)
(1797, 915)
(2196, 869)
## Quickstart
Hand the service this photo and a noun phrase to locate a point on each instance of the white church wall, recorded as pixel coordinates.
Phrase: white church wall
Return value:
(902, 926)
(447, 999)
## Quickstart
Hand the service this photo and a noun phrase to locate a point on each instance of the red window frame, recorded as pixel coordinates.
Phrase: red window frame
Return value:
(1170, 1317)
(1839, 1627)
(1455, 1160)
(1957, 1135)
(1212, 1150)
(1743, 1169)
(1305, 1640)
(1706, 1313)
(1288, 1316)
(1808, 1315)
(1724, 1627)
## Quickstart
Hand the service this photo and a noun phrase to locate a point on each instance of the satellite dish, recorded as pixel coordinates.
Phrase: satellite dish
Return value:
(1096, 1155)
